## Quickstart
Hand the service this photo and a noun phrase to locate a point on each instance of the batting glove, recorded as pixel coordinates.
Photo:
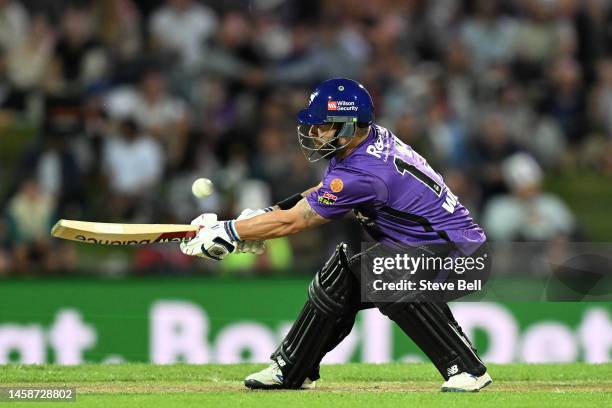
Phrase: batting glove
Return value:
(215, 239)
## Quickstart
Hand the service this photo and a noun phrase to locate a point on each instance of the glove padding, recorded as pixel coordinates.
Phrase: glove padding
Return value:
(213, 240)
(251, 246)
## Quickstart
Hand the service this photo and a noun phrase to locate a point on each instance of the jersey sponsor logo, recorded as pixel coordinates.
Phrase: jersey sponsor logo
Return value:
(342, 106)
(327, 198)
(381, 147)
(336, 185)
(376, 148)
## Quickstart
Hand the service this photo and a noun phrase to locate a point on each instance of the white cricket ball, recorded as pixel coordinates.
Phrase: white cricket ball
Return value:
(202, 187)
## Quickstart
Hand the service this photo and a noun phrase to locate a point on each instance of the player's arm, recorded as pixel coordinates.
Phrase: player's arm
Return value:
(280, 223)
(216, 239)
(294, 199)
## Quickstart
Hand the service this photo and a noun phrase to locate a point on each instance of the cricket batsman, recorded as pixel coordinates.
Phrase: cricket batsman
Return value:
(397, 197)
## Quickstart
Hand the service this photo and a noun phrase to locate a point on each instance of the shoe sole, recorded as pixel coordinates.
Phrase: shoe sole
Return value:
(447, 389)
(256, 385)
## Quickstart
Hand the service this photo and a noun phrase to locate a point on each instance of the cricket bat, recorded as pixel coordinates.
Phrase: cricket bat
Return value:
(103, 233)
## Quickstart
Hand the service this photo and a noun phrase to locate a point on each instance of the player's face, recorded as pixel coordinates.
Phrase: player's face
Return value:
(322, 133)
(318, 141)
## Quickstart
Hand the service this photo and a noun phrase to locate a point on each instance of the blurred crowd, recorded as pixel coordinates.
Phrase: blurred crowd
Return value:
(131, 101)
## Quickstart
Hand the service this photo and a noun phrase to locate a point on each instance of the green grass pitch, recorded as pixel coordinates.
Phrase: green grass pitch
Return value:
(350, 385)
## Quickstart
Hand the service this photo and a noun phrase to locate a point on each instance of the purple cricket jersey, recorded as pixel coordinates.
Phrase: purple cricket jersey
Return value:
(395, 194)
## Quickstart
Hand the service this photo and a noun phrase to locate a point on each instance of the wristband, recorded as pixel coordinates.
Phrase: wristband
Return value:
(290, 202)
(230, 230)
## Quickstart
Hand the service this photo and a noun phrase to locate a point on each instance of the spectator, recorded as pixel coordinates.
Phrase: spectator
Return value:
(409, 127)
(537, 39)
(518, 115)
(566, 100)
(133, 163)
(488, 36)
(30, 215)
(14, 23)
(273, 161)
(447, 138)
(527, 214)
(53, 165)
(459, 183)
(327, 57)
(232, 54)
(79, 57)
(181, 28)
(594, 39)
(157, 112)
(459, 82)
(547, 142)
(491, 147)
(119, 28)
(27, 61)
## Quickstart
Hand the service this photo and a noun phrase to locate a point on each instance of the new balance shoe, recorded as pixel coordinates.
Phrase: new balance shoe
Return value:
(271, 378)
(465, 382)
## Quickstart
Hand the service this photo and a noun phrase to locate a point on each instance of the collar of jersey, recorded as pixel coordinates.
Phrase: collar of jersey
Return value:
(334, 160)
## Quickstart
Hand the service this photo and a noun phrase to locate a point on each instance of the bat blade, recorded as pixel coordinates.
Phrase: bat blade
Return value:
(104, 233)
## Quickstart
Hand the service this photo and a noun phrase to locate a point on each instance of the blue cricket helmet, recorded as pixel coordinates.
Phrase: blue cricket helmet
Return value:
(339, 101)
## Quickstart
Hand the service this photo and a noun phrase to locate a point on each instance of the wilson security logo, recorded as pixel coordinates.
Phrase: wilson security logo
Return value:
(341, 106)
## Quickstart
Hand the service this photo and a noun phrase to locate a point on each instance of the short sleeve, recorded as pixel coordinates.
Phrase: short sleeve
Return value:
(343, 190)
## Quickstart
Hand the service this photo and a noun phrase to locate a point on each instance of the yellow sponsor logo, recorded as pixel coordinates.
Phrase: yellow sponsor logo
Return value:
(336, 185)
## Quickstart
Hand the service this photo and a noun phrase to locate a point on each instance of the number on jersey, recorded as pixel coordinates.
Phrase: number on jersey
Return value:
(402, 167)
(451, 202)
